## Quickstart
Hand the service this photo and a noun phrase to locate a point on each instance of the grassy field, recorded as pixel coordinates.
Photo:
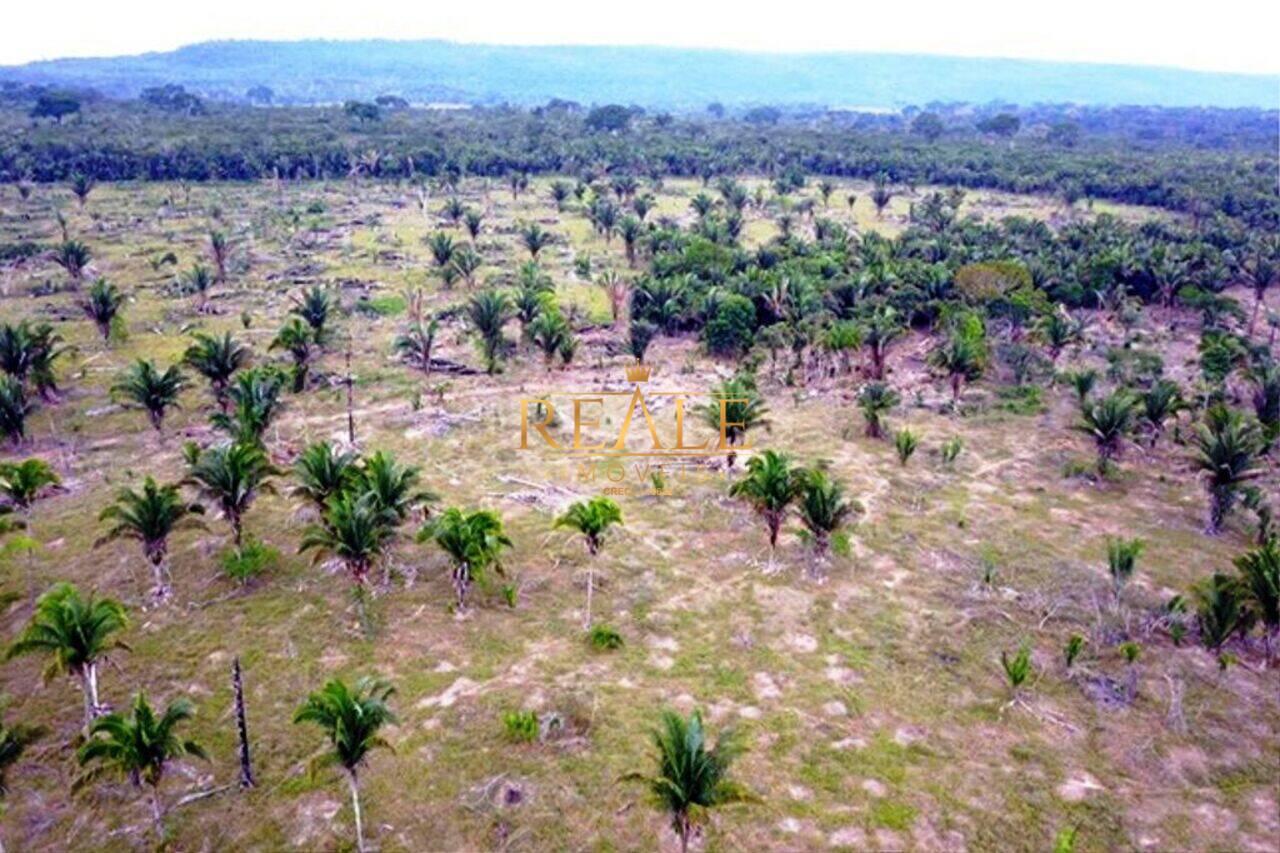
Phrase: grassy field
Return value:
(872, 702)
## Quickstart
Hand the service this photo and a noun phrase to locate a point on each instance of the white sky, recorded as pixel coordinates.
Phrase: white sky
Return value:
(1225, 35)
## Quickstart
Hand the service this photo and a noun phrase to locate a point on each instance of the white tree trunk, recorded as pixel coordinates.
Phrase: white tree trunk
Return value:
(591, 577)
(355, 806)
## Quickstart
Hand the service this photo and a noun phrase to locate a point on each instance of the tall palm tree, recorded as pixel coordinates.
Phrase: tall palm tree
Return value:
(350, 719)
(823, 508)
(217, 360)
(1108, 422)
(145, 386)
(472, 540)
(735, 409)
(139, 748)
(1227, 450)
(77, 634)
(1260, 578)
(150, 517)
(692, 778)
(489, 312)
(323, 471)
(770, 486)
(102, 305)
(230, 477)
(592, 519)
(299, 340)
(875, 400)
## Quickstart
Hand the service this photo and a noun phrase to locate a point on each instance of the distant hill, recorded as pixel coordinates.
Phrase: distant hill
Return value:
(302, 72)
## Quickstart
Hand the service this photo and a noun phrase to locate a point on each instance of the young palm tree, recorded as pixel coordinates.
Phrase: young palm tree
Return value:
(14, 408)
(139, 748)
(880, 330)
(550, 331)
(592, 519)
(535, 238)
(220, 253)
(299, 340)
(736, 409)
(1160, 402)
(77, 633)
(73, 256)
(472, 540)
(323, 472)
(1227, 453)
(473, 222)
(442, 248)
(356, 531)
(314, 306)
(350, 719)
(255, 402)
(198, 280)
(962, 357)
(1122, 559)
(692, 778)
(467, 262)
(217, 360)
(1260, 579)
(392, 487)
(1108, 422)
(1082, 382)
(230, 477)
(23, 483)
(14, 741)
(770, 486)
(150, 517)
(1220, 610)
(875, 400)
(489, 312)
(1059, 330)
(102, 305)
(145, 386)
(416, 343)
(823, 508)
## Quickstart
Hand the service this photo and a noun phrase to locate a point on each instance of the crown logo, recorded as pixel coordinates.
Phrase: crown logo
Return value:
(637, 372)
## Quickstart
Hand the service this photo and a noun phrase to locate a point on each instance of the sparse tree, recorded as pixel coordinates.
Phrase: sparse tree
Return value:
(146, 387)
(150, 517)
(592, 519)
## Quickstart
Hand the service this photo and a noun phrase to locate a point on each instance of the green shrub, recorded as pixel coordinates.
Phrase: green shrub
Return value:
(732, 327)
(905, 441)
(603, 638)
(252, 560)
(521, 726)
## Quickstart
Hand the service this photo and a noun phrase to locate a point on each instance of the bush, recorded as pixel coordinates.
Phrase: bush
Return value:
(252, 560)
(521, 726)
(732, 328)
(603, 638)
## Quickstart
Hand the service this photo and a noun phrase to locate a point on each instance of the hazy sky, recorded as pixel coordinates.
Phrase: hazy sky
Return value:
(1225, 35)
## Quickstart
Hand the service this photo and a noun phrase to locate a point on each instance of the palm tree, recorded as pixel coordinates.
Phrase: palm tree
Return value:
(139, 748)
(1227, 453)
(442, 248)
(1163, 400)
(1260, 579)
(150, 517)
(881, 329)
(467, 262)
(198, 280)
(489, 312)
(1058, 330)
(592, 519)
(1220, 609)
(1108, 422)
(14, 408)
(230, 477)
(355, 530)
(535, 238)
(299, 340)
(823, 508)
(1122, 558)
(962, 356)
(23, 483)
(28, 352)
(73, 256)
(416, 343)
(473, 221)
(14, 740)
(350, 719)
(220, 252)
(691, 777)
(314, 306)
(472, 540)
(736, 409)
(875, 400)
(217, 360)
(549, 331)
(146, 387)
(392, 486)
(323, 472)
(881, 195)
(255, 402)
(770, 486)
(76, 633)
(81, 186)
(102, 305)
